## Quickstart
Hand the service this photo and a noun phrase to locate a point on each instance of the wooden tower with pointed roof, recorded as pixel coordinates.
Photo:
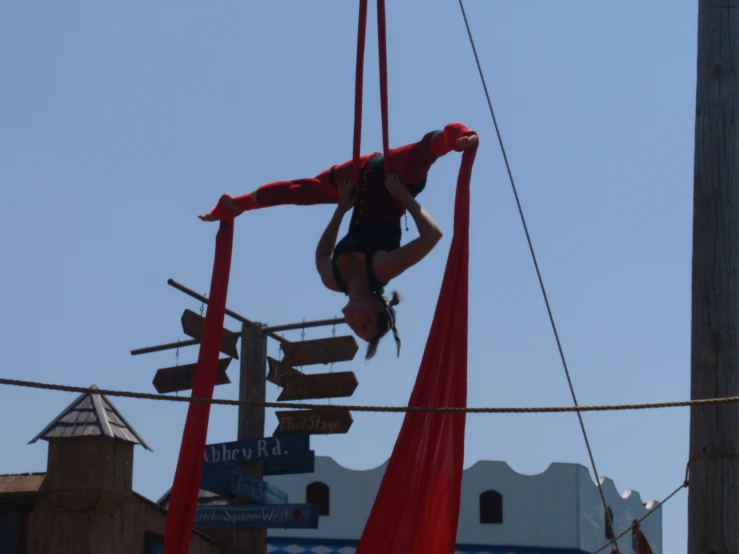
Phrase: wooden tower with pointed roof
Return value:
(90, 458)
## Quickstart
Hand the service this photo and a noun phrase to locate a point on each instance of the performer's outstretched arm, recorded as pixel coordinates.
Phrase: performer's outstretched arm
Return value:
(326, 244)
(388, 265)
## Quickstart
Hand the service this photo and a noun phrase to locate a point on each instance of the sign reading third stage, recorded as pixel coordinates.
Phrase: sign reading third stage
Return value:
(323, 421)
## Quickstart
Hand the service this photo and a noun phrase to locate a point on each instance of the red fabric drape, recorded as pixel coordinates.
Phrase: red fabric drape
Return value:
(642, 545)
(416, 510)
(358, 88)
(417, 506)
(184, 496)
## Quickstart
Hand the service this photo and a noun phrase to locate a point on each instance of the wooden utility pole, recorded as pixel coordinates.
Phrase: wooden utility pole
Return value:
(252, 388)
(713, 497)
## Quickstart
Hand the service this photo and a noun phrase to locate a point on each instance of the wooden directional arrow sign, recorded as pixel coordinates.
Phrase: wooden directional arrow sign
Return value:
(323, 385)
(178, 378)
(320, 351)
(324, 421)
(278, 370)
(193, 324)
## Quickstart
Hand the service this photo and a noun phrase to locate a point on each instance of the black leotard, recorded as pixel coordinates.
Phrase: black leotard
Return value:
(375, 222)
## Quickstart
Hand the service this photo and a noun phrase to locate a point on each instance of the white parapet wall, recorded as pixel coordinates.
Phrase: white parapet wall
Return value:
(559, 509)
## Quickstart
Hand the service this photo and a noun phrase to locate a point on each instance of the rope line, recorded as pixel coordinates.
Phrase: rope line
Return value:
(536, 265)
(384, 409)
(685, 484)
(645, 516)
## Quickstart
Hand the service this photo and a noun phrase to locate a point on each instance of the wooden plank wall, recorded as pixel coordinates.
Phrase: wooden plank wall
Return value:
(53, 532)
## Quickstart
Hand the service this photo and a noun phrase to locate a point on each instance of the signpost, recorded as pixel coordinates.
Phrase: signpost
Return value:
(234, 471)
(193, 325)
(324, 421)
(284, 516)
(320, 351)
(322, 385)
(179, 378)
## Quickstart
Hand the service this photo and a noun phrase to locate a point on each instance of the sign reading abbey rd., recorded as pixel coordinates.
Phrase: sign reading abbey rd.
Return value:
(256, 490)
(284, 516)
(253, 450)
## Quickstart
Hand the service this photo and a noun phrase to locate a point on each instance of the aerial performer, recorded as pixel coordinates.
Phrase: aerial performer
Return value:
(370, 255)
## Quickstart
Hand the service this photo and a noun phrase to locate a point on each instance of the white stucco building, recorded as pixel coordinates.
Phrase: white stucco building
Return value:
(558, 511)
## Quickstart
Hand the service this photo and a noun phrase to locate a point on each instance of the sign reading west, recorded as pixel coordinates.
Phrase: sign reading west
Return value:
(256, 490)
(253, 450)
(285, 516)
(182, 377)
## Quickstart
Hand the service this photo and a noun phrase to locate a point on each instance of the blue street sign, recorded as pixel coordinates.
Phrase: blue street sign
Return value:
(217, 480)
(256, 490)
(284, 516)
(304, 463)
(217, 477)
(253, 450)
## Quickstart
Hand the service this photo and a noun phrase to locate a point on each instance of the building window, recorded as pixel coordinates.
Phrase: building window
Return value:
(491, 507)
(317, 494)
(153, 543)
(13, 532)
(609, 525)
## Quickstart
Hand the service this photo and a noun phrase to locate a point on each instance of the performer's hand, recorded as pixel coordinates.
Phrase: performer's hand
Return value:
(396, 187)
(467, 142)
(347, 194)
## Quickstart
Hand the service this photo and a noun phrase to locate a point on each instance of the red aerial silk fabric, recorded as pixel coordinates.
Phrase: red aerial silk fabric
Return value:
(417, 507)
(416, 510)
(184, 496)
(642, 545)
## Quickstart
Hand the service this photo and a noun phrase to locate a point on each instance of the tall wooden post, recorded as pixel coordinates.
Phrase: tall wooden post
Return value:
(252, 388)
(713, 498)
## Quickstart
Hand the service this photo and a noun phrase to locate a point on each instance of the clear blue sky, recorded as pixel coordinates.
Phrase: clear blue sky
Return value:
(120, 123)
